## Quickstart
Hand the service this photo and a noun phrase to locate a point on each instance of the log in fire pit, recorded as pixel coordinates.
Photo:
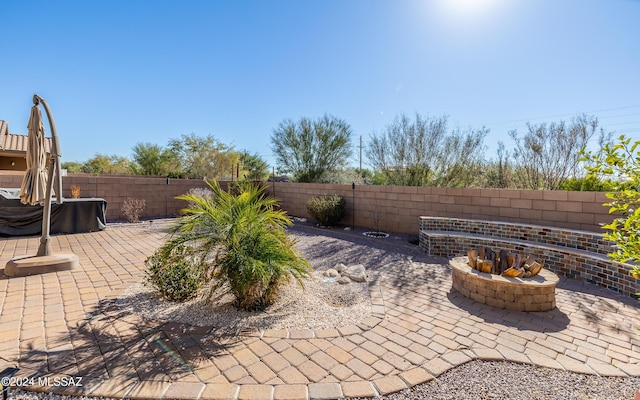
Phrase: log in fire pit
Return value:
(505, 281)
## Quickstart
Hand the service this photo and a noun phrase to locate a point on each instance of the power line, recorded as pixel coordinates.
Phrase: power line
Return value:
(564, 115)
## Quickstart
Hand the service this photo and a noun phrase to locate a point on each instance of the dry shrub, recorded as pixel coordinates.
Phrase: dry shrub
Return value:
(132, 208)
(75, 192)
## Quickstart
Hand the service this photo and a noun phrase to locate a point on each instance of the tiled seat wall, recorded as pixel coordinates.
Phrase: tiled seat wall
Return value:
(571, 262)
(581, 240)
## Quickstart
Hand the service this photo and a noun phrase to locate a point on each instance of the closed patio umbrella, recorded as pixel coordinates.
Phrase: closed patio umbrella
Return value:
(38, 189)
(33, 188)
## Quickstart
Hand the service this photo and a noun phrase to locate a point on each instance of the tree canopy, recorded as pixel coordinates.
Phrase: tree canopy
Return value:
(619, 163)
(309, 148)
(423, 152)
(548, 154)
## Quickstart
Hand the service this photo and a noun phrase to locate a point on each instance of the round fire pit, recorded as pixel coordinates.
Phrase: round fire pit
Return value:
(537, 293)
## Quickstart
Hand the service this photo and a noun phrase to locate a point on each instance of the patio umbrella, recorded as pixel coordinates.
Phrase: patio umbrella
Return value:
(31, 192)
(34, 183)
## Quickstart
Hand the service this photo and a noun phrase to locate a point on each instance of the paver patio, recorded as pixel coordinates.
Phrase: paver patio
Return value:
(66, 324)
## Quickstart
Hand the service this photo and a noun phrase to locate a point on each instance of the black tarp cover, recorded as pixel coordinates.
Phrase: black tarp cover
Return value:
(72, 216)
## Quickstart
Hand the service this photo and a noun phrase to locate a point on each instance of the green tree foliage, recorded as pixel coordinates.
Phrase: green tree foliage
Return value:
(254, 167)
(107, 165)
(152, 159)
(548, 154)
(72, 167)
(423, 152)
(588, 184)
(499, 173)
(240, 240)
(307, 149)
(343, 177)
(620, 163)
(203, 157)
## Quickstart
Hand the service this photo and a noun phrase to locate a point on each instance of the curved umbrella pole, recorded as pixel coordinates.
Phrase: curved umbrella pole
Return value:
(45, 261)
(54, 171)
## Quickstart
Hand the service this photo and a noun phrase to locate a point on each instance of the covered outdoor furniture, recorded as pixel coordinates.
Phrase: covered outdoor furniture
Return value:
(72, 216)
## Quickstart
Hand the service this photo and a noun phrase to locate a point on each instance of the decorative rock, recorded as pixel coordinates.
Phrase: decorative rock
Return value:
(331, 273)
(343, 280)
(340, 267)
(356, 273)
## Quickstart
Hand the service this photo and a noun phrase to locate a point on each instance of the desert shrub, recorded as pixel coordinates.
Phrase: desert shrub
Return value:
(75, 192)
(175, 272)
(327, 210)
(200, 192)
(242, 239)
(132, 208)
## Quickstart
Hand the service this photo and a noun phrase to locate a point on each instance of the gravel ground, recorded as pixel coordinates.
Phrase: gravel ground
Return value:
(474, 380)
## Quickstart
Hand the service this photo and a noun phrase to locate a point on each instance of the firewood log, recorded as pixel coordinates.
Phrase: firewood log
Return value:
(472, 255)
(535, 268)
(518, 262)
(504, 262)
(512, 273)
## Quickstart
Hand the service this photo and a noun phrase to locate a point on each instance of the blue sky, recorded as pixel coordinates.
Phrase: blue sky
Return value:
(120, 72)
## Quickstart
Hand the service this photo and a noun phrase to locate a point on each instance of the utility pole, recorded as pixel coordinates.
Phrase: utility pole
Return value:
(360, 155)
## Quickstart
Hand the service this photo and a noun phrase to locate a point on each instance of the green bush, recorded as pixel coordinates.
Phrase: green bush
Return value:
(327, 210)
(239, 239)
(175, 273)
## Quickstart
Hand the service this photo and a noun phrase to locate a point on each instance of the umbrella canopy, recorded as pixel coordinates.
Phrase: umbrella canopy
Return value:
(34, 184)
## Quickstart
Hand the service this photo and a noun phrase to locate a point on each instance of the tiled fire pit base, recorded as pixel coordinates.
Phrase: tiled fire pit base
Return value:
(530, 294)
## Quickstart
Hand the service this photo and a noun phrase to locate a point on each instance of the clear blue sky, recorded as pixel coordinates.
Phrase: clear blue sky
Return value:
(120, 72)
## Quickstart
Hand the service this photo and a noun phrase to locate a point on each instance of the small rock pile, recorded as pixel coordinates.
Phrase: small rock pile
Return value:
(347, 274)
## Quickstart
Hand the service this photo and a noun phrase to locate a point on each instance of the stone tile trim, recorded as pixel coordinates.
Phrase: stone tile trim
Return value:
(575, 239)
(571, 262)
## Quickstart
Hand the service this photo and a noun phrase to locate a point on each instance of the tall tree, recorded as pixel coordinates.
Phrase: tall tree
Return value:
(256, 168)
(203, 157)
(307, 148)
(102, 164)
(423, 152)
(548, 154)
(152, 159)
(498, 172)
(72, 167)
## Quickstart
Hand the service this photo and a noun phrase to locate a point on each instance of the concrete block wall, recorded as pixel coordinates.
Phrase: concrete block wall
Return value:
(388, 208)
(158, 192)
(399, 207)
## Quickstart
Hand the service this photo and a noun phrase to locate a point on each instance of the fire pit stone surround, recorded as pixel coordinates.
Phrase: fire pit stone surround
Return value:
(529, 294)
(575, 254)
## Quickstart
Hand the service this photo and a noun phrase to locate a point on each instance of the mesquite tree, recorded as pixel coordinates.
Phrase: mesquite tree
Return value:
(548, 154)
(424, 153)
(307, 148)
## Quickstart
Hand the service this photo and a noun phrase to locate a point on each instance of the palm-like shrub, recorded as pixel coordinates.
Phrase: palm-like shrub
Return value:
(240, 240)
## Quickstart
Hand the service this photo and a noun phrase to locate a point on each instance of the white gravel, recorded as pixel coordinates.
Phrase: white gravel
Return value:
(322, 304)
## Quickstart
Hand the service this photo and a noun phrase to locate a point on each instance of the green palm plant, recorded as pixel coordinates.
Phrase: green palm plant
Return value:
(240, 240)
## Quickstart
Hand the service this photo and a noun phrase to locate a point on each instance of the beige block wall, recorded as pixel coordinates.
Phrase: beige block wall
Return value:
(158, 192)
(398, 207)
(391, 208)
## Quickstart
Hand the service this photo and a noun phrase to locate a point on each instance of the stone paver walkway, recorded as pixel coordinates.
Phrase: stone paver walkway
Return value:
(65, 324)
